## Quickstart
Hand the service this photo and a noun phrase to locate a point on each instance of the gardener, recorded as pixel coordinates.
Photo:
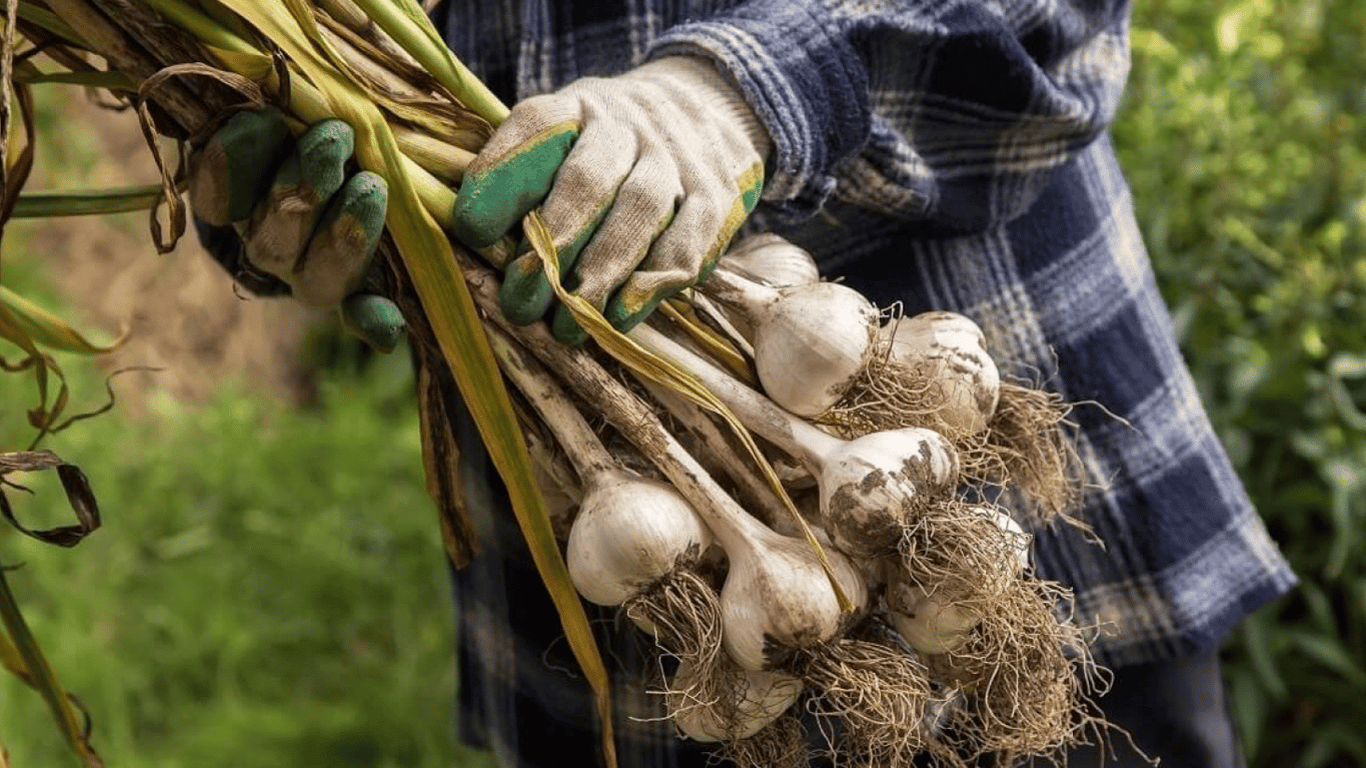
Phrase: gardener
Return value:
(941, 155)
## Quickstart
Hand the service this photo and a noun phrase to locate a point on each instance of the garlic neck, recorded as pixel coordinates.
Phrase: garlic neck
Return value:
(793, 435)
(752, 298)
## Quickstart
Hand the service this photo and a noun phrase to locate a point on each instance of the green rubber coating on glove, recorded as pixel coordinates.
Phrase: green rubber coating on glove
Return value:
(323, 152)
(751, 188)
(526, 293)
(243, 155)
(492, 200)
(566, 329)
(374, 319)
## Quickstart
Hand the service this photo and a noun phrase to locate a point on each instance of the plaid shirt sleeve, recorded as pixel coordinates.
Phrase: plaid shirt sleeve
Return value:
(952, 113)
(940, 154)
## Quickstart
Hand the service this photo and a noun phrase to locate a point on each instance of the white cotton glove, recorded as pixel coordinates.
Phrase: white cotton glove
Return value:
(642, 179)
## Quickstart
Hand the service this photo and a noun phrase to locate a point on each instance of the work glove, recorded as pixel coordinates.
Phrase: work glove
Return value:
(642, 180)
(286, 215)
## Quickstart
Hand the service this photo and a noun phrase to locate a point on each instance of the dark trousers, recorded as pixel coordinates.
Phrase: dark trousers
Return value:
(1174, 710)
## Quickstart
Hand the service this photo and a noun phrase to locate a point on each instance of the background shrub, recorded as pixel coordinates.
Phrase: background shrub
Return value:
(1244, 142)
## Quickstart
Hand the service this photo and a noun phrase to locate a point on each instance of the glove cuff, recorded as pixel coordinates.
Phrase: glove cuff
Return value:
(696, 79)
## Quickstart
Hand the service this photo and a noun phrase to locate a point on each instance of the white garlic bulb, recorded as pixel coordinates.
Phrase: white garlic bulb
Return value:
(763, 697)
(951, 350)
(773, 259)
(872, 487)
(630, 531)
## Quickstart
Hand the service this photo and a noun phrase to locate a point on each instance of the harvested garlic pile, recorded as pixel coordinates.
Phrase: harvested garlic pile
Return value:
(892, 601)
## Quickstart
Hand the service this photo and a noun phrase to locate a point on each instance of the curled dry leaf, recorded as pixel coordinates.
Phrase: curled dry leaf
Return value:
(74, 482)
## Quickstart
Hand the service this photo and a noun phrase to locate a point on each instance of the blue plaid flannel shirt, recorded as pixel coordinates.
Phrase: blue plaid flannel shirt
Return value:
(945, 154)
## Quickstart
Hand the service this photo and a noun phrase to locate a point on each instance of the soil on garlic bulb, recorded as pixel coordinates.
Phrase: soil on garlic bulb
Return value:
(1019, 438)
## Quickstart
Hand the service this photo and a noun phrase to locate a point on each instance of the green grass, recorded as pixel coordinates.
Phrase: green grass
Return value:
(268, 588)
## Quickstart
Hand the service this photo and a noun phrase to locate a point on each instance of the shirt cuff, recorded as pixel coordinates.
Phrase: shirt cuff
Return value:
(803, 79)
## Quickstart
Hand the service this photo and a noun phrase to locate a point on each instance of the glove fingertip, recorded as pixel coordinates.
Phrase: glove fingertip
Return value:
(475, 224)
(566, 329)
(492, 199)
(526, 294)
(229, 172)
(366, 197)
(374, 319)
(318, 165)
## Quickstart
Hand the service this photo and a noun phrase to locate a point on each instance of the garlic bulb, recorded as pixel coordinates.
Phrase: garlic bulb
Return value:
(873, 486)
(1019, 540)
(938, 622)
(630, 532)
(950, 350)
(741, 712)
(810, 341)
(931, 623)
(772, 259)
(777, 598)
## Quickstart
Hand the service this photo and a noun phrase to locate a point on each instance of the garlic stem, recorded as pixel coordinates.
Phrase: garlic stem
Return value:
(586, 452)
(350, 15)
(797, 437)
(617, 404)
(622, 408)
(725, 323)
(729, 287)
(757, 494)
(444, 160)
(791, 593)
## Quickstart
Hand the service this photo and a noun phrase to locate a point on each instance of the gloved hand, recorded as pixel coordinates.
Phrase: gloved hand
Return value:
(276, 210)
(642, 178)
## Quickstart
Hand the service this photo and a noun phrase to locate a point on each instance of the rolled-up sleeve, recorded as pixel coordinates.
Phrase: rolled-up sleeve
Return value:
(954, 114)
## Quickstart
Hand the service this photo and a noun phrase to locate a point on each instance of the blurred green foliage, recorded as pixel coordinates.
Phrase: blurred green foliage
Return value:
(268, 588)
(1244, 139)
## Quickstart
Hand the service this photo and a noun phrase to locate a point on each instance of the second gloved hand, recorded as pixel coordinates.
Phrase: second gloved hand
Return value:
(292, 215)
(642, 178)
